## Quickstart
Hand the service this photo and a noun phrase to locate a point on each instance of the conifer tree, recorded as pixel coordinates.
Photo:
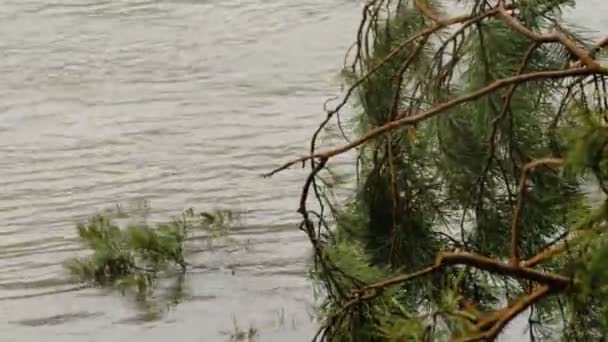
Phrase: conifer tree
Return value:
(478, 138)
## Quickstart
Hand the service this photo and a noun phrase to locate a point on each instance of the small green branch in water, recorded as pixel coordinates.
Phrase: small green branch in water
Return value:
(133, 258)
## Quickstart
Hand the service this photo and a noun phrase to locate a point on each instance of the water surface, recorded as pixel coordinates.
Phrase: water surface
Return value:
(183, 103)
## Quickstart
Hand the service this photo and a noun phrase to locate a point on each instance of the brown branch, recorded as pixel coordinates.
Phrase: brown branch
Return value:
(309, 228)
(359, 42)
(503, 317)
(493, 266)
(506, 105)
(427, 32)
(555, 37)
(395, 101)
(543, 256)
(389, 144)
(466, 19)
(393, 176)
(598, 47)
(474, 260)
(456, 48)
(403, 278)
(371, 292)
(521, 192)
(550, 252)
(426, 11)
(551, 281)
(409, 120)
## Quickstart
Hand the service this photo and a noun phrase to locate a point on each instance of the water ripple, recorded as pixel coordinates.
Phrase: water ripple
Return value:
(181, 102)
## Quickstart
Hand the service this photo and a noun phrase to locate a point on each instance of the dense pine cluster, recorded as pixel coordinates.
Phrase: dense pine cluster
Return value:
(479, 139)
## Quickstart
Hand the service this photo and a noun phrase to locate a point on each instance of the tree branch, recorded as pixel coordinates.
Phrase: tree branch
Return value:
(555, 37)
(426, 11)
(550, 281)
(503, 317)
(521, 192)
(410, 120)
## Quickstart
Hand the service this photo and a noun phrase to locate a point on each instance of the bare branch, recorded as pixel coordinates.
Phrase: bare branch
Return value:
(521, 192)
(503, 317)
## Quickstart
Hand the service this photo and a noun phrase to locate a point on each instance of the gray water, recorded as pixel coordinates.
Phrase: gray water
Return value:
(182, 103)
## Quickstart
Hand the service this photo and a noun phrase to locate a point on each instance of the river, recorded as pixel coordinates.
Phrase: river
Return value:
(182, 103)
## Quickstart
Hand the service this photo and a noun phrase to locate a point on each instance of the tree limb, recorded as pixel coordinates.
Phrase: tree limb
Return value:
(410, 120)
(521, 192)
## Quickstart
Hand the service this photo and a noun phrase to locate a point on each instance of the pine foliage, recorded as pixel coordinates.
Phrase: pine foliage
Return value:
(478, 139)
(132, 259)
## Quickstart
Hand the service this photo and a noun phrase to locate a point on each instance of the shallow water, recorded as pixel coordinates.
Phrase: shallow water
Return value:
(179, 102)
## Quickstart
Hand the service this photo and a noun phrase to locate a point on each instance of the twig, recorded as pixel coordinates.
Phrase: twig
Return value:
(426, 11)
(521, 192)
(503, 317)
(441, 108)
(427, 32)
(493, 266)
(469, 259)
(492, 138)
(581, 65)
(389, 143)
(556, 37)
(374, 290)
(550, 280)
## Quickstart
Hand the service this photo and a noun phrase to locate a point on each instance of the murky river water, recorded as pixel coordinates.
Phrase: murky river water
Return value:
(179, 102)
(182, 103)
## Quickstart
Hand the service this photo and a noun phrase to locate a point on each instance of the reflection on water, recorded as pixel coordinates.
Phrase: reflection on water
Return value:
(180, 102)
